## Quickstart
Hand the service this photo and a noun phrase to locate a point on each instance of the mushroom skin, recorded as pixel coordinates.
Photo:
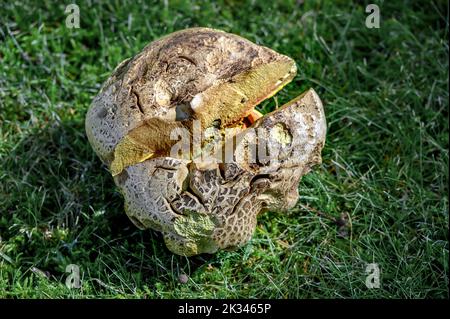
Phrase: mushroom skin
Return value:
(214, 80)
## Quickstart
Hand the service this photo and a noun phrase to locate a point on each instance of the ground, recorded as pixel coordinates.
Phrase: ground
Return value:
(380, 196)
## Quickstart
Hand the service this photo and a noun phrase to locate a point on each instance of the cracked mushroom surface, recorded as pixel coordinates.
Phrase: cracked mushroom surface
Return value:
(212, 80)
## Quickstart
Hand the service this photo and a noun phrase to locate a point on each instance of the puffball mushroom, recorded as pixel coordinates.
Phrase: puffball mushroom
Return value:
(196, 81)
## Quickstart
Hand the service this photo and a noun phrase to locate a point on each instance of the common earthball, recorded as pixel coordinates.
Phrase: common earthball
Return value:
(178, 129)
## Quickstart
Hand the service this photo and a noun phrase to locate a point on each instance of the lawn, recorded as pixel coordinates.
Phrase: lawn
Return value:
(379, 197)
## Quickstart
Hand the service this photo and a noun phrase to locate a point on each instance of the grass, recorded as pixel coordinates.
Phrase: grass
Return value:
(380, 196)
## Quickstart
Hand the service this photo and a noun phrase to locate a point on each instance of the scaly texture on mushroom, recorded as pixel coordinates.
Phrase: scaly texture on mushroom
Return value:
(215, 79)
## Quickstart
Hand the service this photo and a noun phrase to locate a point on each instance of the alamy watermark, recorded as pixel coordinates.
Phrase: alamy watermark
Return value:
(373, 276)
(260, 145)
(373, 19)
(73, 16)
(73, 279)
